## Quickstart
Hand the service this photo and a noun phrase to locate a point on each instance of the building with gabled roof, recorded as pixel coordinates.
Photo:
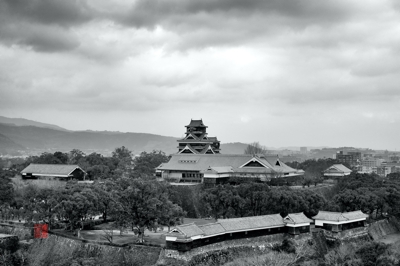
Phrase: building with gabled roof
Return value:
(337, 170)
(297, 223)
(199, 160)
(62, 171)
(218, 168)
(196, 140)
(339, 221)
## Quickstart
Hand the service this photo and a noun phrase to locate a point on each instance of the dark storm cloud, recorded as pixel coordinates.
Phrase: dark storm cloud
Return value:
(58, 12)
(148, 14)
(43, 25)
(39, 38)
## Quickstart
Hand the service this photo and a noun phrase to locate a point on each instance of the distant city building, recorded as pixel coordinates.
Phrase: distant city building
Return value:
(350, 158)
(369, 162)
(384, 170)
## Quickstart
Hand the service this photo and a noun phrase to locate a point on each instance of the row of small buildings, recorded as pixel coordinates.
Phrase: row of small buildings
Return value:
(187, 236)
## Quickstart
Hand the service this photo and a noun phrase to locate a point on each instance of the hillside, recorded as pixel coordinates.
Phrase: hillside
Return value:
(7, 144)
(33, 138)
(26, 122)
(36, 137)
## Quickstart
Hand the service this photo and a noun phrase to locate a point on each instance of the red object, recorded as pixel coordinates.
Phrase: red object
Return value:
(40, 231)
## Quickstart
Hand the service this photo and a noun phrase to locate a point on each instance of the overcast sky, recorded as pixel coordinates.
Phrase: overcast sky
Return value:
(281, 72)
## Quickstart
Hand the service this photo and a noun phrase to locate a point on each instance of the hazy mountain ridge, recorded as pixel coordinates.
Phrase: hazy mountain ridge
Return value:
(21, 134)
(26, 122)
(33, 137)
(7, 144)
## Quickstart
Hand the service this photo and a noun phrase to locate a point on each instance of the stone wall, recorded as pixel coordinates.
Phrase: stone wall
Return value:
(256, 243)
(359, 232)
(382, 228)
(21, 232)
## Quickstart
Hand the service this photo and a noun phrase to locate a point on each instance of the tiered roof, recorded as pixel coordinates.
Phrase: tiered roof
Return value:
(196, 140)
(196, 123)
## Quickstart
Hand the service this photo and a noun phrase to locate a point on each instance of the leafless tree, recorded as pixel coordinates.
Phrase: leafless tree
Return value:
(256, 148)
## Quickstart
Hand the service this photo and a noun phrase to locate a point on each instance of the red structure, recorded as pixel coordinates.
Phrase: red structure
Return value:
(40, 231)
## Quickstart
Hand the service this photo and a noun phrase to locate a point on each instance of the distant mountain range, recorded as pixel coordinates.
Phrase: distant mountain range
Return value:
(26, 136)
(26, 122)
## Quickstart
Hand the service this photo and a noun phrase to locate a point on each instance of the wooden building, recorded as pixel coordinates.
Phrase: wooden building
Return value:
(199, 160)
(339, 221)
(218, 168)
(60, 171)
(197, 140)
(297, 223)
(187, 236)
(337, 170)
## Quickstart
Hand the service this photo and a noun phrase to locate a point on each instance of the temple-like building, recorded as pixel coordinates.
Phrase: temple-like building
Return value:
(196, 140)
(199, 160)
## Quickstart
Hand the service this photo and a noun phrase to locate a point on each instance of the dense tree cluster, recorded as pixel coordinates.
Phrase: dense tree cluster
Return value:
(122, 163)
(259, 199)
(369, 193)
(6, 188)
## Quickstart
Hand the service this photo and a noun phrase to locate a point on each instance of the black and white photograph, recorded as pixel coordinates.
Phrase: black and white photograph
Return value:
(199, 132)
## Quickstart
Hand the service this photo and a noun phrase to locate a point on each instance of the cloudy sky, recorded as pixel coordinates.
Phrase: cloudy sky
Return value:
(281, 72)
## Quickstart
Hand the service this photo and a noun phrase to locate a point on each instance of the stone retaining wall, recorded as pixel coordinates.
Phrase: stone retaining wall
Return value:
(382, 228)
(258, 243)
(347, 235)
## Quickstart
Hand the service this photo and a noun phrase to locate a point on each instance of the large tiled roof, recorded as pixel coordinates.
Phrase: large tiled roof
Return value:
(339, 168)
(204, 161)
(190, 230)
(212, 229)
(297, 218)
(223, 226)
(222, 169)
(50, 169)
(339, 216)
(251, 223)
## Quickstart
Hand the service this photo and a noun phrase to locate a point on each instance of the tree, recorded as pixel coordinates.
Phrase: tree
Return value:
(255, 148)
(123, 159)
(76, 204)
(62, 157)
(105, 198)
(75, 156)
(6, 189)
(142, 204)
(145, 164)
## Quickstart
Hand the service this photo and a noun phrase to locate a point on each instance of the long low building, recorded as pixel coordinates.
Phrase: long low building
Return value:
(339, 221)
(61, 171)
(187, 236)
(218, 168)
